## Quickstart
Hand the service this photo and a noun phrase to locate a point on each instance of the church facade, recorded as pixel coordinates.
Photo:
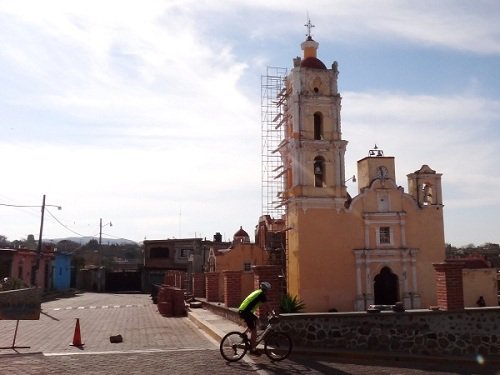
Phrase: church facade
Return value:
(344, 253)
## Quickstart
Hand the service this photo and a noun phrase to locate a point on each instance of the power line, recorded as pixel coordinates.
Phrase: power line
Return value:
(63, 225)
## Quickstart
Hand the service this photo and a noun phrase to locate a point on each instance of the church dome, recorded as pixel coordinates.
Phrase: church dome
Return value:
(310, 59)
(313, 63)
(241, 236)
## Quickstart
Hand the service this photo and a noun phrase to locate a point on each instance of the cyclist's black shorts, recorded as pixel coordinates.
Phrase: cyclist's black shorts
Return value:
(249, 318)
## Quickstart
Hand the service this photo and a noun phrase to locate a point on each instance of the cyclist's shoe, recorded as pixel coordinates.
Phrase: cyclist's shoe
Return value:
(255, 352)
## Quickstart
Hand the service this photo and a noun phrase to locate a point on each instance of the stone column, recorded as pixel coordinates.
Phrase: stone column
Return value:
(232, 288)
(449, 285)
(212, 286)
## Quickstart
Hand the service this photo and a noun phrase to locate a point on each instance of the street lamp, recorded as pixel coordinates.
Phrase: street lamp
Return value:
(353, 178)
(35, 268)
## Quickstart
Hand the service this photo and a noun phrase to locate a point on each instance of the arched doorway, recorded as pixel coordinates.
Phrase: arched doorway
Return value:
(386, 287)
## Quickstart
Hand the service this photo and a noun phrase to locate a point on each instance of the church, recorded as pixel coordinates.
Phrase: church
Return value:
(345, 253)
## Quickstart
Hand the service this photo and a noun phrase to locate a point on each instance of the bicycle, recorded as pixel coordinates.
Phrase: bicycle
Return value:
(277, 345)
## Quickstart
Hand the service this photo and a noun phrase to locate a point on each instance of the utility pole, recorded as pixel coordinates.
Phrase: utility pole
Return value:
(36, 268)
(100, 239)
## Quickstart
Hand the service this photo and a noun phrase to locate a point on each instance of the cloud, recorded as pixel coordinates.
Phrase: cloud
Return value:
(138, 111)
(456, 136)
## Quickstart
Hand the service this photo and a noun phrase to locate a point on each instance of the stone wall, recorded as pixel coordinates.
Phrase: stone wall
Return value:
(433, 333)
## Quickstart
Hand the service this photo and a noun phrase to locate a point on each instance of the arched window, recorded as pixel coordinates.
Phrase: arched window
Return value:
(318, 126)
(427, 194)
(319, 171)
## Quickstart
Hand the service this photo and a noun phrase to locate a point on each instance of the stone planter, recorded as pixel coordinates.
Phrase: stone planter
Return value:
(20, 304)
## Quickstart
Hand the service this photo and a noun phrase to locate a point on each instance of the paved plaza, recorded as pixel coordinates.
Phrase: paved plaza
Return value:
(153, 344)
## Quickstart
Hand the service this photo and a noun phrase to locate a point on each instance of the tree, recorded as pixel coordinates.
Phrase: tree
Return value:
(67, 246)
(77, 261)
(3, 241)
(93, 244)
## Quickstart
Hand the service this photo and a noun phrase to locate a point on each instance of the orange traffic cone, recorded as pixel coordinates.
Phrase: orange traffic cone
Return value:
(77, 338)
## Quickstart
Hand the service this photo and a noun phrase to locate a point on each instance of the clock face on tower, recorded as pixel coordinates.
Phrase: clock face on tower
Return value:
(382, 172)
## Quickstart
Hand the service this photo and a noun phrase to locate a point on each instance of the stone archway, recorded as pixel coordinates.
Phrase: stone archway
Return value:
(386, 287)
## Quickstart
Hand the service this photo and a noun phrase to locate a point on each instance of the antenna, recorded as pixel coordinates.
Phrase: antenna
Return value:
(180, 222)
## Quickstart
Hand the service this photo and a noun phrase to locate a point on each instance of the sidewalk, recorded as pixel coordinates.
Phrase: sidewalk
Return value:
(212, 324)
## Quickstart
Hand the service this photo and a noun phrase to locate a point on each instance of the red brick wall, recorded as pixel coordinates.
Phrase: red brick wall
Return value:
(449, 285)
(169, 279)
(199, 285)
(232, 288)
(271, 275)
(212, 286)
(175, 278)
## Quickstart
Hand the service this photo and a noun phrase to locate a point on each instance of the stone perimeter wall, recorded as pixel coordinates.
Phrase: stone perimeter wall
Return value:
(433, 333)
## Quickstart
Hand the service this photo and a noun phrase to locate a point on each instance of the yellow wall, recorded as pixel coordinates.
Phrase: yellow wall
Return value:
(480, 282)
(322, 259)
(234, 260)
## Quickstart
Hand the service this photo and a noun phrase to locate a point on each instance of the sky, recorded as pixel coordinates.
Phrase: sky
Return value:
(147, 114)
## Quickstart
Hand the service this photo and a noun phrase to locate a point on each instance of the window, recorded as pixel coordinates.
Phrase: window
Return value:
(247, 266)
(159, 252)
(384, 235)
(211, 264)
(319, 172)
(184, 253)
(318, 126)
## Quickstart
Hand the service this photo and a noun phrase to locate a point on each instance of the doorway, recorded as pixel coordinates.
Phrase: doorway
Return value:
(386, 287)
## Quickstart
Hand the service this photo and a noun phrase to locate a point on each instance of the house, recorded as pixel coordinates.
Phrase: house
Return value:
(181, 254)
(27, 265)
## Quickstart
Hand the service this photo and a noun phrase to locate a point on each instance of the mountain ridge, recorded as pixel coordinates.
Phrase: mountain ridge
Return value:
(84, 240)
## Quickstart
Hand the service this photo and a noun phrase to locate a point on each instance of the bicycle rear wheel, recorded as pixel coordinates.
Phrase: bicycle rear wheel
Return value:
(277, 346)
(234, 346)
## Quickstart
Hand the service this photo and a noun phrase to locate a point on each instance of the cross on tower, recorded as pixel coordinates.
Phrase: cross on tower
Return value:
(309, 26)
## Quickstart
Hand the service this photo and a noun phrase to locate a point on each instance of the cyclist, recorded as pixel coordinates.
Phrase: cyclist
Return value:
(247, 311)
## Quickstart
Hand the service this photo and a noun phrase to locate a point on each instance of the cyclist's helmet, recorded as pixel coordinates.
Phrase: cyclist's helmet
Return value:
(265, 286)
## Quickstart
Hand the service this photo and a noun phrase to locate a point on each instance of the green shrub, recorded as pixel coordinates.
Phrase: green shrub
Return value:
(12, 283)
(289, 304)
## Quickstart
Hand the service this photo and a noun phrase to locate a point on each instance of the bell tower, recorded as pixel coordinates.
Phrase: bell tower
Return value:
(314, 191)
(313, 150)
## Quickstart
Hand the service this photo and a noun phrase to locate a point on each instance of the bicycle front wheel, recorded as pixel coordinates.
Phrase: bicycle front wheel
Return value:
(234, 346)
(277, 346)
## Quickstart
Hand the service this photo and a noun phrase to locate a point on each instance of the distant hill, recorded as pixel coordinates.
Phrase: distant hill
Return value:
(85, 240)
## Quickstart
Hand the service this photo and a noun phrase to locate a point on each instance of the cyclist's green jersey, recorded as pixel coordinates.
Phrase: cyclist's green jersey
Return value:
(253, 301)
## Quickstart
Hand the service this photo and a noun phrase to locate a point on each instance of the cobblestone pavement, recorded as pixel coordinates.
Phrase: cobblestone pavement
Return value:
(153, 344)
(203, 361)
(133, 316)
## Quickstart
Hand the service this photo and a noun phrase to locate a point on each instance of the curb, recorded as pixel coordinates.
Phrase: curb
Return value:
(208, 328)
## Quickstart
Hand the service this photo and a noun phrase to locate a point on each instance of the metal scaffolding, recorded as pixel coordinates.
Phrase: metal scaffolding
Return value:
(272, 130)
